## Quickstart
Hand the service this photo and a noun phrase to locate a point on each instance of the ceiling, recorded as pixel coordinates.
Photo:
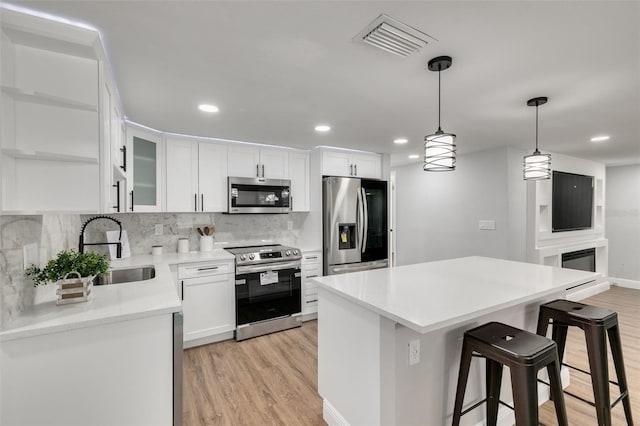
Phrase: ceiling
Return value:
(276, 69)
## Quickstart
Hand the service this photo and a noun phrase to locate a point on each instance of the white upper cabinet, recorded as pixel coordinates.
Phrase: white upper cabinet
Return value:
(182, 176)
(212, 176)
(253, 161)
(274, 163)
(299, 174)
(146, 158)
(196, 176)
(344, 163)
(243, 160)
(50, 149)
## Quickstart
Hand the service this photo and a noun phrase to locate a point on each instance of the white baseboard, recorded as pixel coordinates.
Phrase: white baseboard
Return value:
(588, 292)
(207, 340)
(309, 317)
(331, 416)
(622, 282)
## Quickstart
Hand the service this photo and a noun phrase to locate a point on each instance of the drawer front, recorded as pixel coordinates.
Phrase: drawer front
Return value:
(194, 270)
(310, 258)
(311, 299)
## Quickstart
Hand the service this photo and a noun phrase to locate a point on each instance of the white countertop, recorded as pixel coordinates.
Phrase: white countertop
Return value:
(110, 303)
(429, 296)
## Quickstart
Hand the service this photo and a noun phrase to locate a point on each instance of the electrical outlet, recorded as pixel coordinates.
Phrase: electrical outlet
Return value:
(487, 225)
(414, 352)
(30, 255)
(159, 229)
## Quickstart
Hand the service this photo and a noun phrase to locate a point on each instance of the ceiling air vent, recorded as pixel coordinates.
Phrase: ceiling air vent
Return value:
(393, 36)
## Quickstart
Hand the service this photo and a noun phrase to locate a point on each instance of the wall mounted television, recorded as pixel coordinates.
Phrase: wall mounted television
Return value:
(572, 202)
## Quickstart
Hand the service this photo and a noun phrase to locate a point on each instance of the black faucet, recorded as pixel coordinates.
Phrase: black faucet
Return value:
(118, 244)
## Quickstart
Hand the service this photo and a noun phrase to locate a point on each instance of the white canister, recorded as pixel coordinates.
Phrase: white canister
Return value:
(206, 243)
(156, 250)
(183, 245)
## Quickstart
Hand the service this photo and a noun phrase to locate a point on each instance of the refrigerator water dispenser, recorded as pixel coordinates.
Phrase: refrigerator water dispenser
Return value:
(346, 236)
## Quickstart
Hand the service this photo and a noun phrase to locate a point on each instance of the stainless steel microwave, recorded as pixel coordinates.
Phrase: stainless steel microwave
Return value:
(259, 195)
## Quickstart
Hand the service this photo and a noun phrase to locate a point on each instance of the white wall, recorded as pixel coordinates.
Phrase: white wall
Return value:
(622, 225)
(438, 213)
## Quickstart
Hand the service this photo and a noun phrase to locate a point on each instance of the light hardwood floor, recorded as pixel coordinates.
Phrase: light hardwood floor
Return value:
(272, 380)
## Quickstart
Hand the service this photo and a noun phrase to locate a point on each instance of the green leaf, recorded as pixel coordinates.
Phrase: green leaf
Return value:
(86, 264)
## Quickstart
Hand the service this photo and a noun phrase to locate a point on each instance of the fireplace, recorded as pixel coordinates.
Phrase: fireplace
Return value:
(582, 260)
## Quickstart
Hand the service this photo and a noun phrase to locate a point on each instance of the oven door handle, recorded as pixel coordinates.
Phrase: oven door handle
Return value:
(267, 267)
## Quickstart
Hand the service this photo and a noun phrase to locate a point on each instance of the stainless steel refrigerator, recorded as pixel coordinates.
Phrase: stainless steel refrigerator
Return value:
(355, 227)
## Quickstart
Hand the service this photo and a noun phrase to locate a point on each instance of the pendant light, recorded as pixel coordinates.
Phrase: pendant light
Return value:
(537, 166)
(440, 147)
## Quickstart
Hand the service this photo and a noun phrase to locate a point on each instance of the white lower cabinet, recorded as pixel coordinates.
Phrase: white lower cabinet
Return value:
(208, 302)
(311, 268)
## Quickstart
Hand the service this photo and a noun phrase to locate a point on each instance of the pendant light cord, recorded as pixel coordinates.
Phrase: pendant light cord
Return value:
(439, 90)
(536, 127)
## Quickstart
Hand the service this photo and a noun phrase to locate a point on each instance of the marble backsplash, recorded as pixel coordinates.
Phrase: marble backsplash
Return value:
(51, 233)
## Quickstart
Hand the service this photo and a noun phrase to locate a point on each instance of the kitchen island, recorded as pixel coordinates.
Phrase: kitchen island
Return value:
(367, 321)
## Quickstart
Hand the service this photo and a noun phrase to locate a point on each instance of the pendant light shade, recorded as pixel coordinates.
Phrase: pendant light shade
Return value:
(440, 147)
(537, 165)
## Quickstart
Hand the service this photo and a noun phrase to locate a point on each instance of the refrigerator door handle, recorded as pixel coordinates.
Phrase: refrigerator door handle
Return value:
(360, 218)
(365, 215)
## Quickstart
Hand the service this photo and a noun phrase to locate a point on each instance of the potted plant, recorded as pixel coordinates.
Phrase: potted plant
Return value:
(73, 272)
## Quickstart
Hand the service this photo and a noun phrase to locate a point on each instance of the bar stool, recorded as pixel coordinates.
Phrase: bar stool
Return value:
(525, 354)
(596, 323)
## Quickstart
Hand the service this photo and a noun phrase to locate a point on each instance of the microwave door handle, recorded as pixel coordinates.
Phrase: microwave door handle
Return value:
(365, 215)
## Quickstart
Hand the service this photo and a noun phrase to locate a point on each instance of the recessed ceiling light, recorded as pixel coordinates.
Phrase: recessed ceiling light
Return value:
(600, 138)
(322, 128)
(414, 156)
(208, 108)
(400, 140)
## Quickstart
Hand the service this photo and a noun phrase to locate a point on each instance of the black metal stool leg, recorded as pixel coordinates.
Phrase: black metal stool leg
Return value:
(559, 335)
(525, 395)
(463, 375)
(556, 388)
(597, 352)
(494, 380)
(618, 361)
(543, 323)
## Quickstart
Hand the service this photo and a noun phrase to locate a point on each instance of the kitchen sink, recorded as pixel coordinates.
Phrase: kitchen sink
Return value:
(117, 276)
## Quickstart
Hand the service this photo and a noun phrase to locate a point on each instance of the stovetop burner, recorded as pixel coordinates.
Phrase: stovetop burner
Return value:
(270, 253)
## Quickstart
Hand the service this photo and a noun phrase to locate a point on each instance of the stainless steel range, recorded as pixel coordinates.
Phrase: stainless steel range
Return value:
(268, 285)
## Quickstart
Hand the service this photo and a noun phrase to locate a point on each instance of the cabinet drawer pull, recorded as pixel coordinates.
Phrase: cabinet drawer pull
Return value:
(311, 257)
(182, 290)
(257, 170)
(131, 200)
(201, 202)
(311, 301)
(208, 269)
(312, 276)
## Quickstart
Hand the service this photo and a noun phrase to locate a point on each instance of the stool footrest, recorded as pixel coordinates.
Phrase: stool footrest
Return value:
(618, 399)
(587, 372)
(479, 403)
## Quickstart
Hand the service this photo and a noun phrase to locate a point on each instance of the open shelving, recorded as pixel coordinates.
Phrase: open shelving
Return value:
(36, 97)
(47, 156)
(50, 144)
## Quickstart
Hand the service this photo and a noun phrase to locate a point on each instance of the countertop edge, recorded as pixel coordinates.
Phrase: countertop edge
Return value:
(448, 322)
